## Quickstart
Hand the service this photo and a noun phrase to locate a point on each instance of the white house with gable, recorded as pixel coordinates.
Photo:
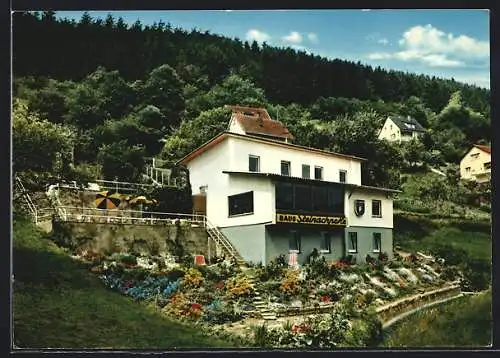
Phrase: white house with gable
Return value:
(269, 196)
(401, 129)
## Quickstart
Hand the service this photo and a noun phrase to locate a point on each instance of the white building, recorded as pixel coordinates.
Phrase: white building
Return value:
(271, 197)
(401, 129)
(476, 164)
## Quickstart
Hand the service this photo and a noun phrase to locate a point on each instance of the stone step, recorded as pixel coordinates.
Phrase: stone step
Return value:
(270, 318)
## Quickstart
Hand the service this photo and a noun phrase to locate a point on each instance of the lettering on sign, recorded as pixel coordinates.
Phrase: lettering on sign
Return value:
(311, 219)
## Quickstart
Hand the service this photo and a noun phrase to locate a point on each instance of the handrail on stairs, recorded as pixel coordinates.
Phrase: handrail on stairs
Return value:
(27, 198)
(215, 234)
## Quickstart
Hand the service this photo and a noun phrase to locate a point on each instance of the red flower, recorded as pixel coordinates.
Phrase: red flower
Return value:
(325, 298)
(299, 328)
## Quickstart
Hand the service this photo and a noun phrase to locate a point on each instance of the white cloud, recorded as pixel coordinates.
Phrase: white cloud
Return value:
(433, 47)
(380, 56)
(293, 37)
(429, 39)
(383, 41)
(313, 37)
(432, 60)
(257, 35)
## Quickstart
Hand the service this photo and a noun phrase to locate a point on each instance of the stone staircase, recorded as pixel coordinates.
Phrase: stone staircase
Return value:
(260, 304)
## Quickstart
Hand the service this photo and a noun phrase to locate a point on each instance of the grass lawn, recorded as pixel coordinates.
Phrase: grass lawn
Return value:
(419, 234)
(58, 303)
(466, 322)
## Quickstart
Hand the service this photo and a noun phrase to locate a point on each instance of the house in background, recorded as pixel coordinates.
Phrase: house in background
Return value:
(401, 129)
(269, 197)
(257, 122)
(476, 164)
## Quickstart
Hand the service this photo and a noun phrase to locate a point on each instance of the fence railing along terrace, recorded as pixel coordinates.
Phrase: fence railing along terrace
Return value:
(84, 214)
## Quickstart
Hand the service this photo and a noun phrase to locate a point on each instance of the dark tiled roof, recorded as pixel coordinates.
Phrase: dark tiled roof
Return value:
(257, 121)
(405, 124)
(484, 148)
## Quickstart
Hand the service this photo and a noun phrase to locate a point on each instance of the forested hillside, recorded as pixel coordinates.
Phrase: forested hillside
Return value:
(111, 94)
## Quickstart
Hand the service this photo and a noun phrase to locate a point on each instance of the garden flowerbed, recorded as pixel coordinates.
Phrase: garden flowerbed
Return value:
(222, 295)
(318, 286)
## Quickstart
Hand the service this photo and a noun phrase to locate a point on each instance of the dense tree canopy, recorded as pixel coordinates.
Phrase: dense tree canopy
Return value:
(114, 94)
(71, 50)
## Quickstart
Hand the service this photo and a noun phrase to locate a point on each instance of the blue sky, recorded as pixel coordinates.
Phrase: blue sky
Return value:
(442, 43)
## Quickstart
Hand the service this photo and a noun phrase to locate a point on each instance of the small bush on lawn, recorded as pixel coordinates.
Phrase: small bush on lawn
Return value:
(450, 273)
(452, 255)
(477, 275)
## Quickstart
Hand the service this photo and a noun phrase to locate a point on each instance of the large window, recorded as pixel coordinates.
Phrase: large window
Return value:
(253, 163)
(325, 245)
(306, 171)
(377, 242)
(318, 173)
(285, 168)
(294, 241)
(377, 208)
(303, 197)
(310, 198)
(284, 196)
(241, 203)
(352, 244)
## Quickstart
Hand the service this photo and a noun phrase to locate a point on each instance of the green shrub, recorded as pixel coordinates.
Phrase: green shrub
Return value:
(128, 259)
(477, 275)
(174, 275)
(451, 254)
(450, 273)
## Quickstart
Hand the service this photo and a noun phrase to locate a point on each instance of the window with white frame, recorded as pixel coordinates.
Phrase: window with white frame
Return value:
(342, 176)
(285, 168)
(326, 243)
(294, 242)
(352, 243)
(377, 242)
(253, 163)
(377, 208)
(306, 171)
(467, 170)
(318, 173)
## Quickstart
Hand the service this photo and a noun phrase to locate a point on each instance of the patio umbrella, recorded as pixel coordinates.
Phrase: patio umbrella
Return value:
(105, 200)
(141, 200)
